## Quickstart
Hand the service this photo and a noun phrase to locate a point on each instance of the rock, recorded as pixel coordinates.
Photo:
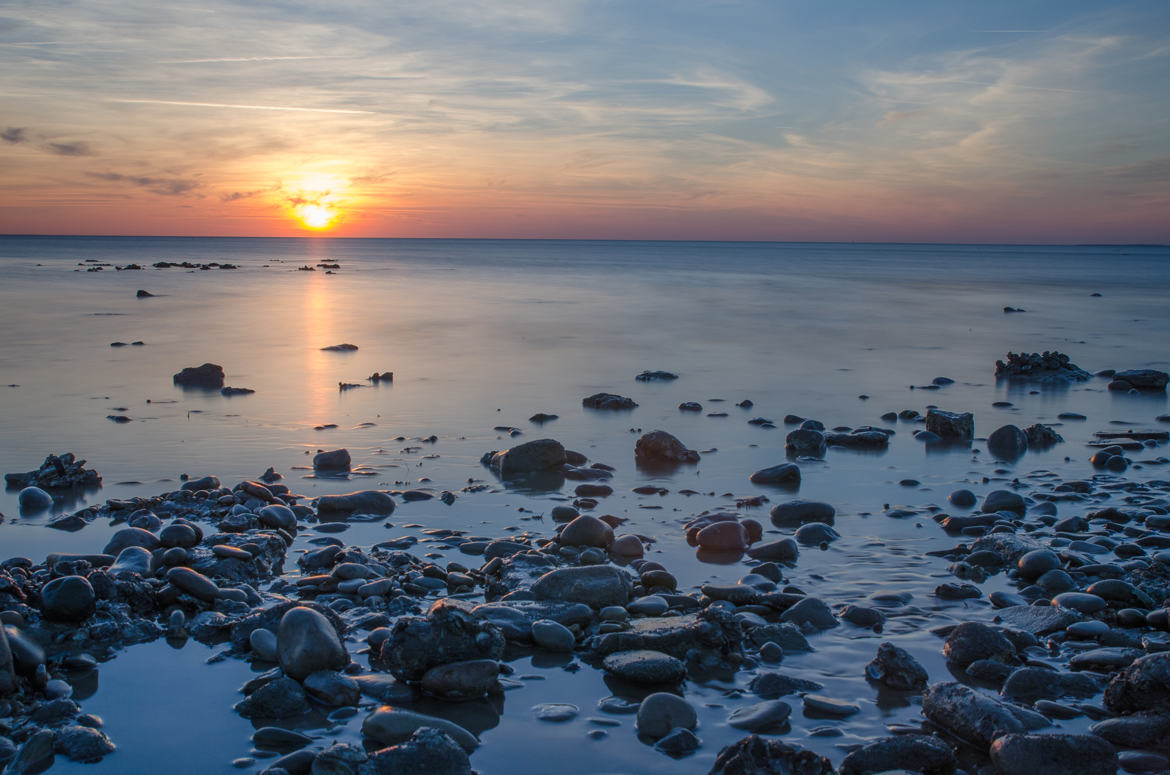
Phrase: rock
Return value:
(82, 744)
(1144, 685)
(950, 426)
(1038, 620)
(815, 534)
(34, 499)
(194, 584)
(656, 376)
(897, 669)
(971, 641)
(7, 667)
(1028, 684)
(344, 347)
(727, 536)
(556, 712)
(968, 714)
(132, 560)
(1042, 436)
(279, 739)
(690, 406)
(178, 534)
(1079, 601)
(644, 666)
(821, 705)
(678, 743)
(307, 642)
(797, 512)
(608, 401)
(464, 680)
(361, 502)
(595, 585)
(332, 460)
(68, 599)
(782, 550)
(447, 634)
(628, 546)
(263, 644)
(659, 447)
(661, 712)
(1053, 754)
(528, 458)
(810, 611)
(771, 685)
(962, 499)
(277, 516)
(1036, 563)
(804, 442)
(35, 755)
(332, 688)
(1045, 368)
(553, 636)
(766, 716)
(428, 751)
(131, 536)
(209, 376)
(1140, 379)
(1004, 500)
(1007, 442)
(280, 698)
(587, 530)
(390, 726)
(783, 475)
(1144, 729)
(755, 755)
(860, 438)
(917, 753)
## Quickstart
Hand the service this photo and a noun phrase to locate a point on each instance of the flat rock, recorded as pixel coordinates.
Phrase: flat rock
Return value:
(644, 666)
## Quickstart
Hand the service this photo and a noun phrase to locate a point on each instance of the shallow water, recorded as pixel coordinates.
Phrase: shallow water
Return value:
(484, 334)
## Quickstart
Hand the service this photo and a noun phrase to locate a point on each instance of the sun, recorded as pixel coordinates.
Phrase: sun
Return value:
(316, 216)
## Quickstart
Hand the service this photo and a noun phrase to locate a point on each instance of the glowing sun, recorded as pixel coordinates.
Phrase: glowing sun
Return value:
(316, 216)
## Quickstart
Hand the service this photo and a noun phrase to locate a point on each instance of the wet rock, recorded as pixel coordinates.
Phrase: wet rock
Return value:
(1042, 436)
(332, 688)
(819, 704)
(815, 534)
(782, 550)
(658, 447)
(390, 726)
(962, 499)
(950, 425)
(82, 744)
(772, 685)
(644, 666)
(361, 502)
(1036, 563)
(766, 716)
(916, 753)
(528, 458)
(1144, 685)
(68, 599)
(587, 530)
(723, 536)
(1007, 442)
(595, 585)
(897, 669)
(797, 512)
(344, 347)
(1038, 620)
(447, 634)
(280, 698)
(307, 642)
(209, 376)
(332, 460)
(34, 499)
(35, 755)
(971, 641)
(1044, 368)
(1028, 684)
(464, 680)
(628, 546)
(131, 536)
(755, 755)
(678, 743)
(1004, 500)
(972, 716)
(783, 475)
(1053, 754)
(194, 584)
(428, 751)
(661, 712)
(656, 376)
(1145, 729)
(608, 401)
(810, 611)
(805, 442)
(1140, 379)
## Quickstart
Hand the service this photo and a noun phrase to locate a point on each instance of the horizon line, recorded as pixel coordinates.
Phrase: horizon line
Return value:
(598, 239)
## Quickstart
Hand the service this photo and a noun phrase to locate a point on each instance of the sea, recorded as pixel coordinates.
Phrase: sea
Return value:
(481, 335)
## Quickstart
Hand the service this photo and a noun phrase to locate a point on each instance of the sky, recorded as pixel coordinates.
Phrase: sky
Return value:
(1026, 121)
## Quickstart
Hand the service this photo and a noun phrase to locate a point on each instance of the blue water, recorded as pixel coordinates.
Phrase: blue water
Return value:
(482, 334)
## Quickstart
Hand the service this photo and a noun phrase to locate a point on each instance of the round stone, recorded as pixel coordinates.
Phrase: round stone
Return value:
(661, 712)
(553, 636)
(34, 499)
(644, 666)
(306, 642)
(68, 599)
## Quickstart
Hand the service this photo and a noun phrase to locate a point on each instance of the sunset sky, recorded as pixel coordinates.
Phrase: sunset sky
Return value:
(1020, 121)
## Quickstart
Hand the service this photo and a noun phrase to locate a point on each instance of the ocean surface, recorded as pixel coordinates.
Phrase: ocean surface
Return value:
(480, 335)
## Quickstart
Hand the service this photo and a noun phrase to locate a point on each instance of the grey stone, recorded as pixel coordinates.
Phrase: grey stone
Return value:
(277, 699)
(971, 641)
(586, 530)
(447, 634)
(307, 642)
(784, 475)
(360, 502)
(194, 584)
(644, 666)
(1004, 500)
(82, 744)
(1053, 754)
(755, 755)
(68, 599)
(797, 512)
(390, 726)
(950, 425)
(33, 499)
(596, 586)
(464, 680)
(897, 669)
(660, 447)
(661, 712)
(805, 442)
(332, 460)
(970, 715)
(332, 688)
(1007, 442)
(916, 753)
(766, 716)
(528, 458)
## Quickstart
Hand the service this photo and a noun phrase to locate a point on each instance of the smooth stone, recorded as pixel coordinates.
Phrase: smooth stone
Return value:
(763, 716)
(464, 680)
(390, 726)
(263, 644)
(782, 550)
(194, 584)
(553, 636)
(970, 715)
(815, 534)
(1053, 754)
(68, 599)
(586, 530)
(828, 706)
(528, 458)
(595, 585)
(1036, 563)
(81, 743)
(661, 712)
(797, 512)
(659, 447)
(280, 739)
(426, 752)
(645, 666)
(307, 642)
(900, 753)
(650, 605)
(962, 499)
(332, 460)
(628, 546)
(1007, 442)
(785, 475)
(34, 499)
(332, 688)
(1079, 601)
(131, 536)
(555, 711)
(810, 611)
(372, 502)
(280, 698)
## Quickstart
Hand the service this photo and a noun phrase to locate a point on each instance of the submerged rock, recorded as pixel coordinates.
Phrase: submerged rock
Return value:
(784, 475)
(972, 716)
(661, 712)
(209, 376)
(530, 457)
(1053, 754)
(755, 755)
(1047, 367)
(658, 447)
(916, 753)
(897, 669)
(447, 634)
(608, 401)
(428, 751)
(950, 425)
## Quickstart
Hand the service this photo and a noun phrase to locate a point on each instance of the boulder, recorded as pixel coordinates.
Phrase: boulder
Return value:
(897, 669)
(1007, 442)
(783, 475)
(661, 712)
(950, 426)
(1004, 500)
(1140, 379)
(1053, 754)
(915, 753)
(307, 642)
(1143, 686)
(447, 634)
(587, 530)
(528, 458)
(972, 641)
(1046, 368)
(428, 750)
(608, 401)
(209, 376)
(755, 755)
(67, 599)
(332, 460)
(594, 585)
(331, 507)
(390, 726)
(972, 716)
(805, 442)
(660, 447)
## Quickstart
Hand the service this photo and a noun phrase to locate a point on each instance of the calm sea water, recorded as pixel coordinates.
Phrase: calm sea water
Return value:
(481, 334)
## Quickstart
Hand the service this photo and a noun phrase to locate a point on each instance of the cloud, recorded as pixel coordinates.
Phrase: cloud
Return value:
(164, 186)
(184, 104)
(1152, 171)
(14, 134)
(70, 149)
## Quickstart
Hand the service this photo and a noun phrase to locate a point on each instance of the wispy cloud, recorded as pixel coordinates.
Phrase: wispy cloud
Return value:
(14, 134)
(237, 106)
(70, 149)
(164, 186)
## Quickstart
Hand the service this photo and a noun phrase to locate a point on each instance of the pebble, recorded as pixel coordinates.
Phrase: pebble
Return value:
(662, 712)
(555, 711)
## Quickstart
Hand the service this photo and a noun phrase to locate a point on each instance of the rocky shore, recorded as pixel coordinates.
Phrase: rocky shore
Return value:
(1072, 578)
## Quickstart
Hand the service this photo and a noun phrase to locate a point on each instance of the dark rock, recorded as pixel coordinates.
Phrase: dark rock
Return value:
(644, 666)
(586, 530)
(333, 460)
(528, 458)
(970, 715)
(1053, 754)
(1140, 379)
(1028, 684)
(1007, 442)
(897, 669)
(1040, 436)
(608, 401)
(1144, 685)
(344, 347)
(804, 442)
(755, 755)
(209, 376)
(1046, 367)
(465, 680)
(798, 512)
(658, 447)
(766, 716)
(784, 475)
(1004, 500)
(361, 502)
(390, 726)
(429, 751)
(661, 712)
(950, 425)
(595, 585)
(280, 698)
(68, 599)
(656, 376)
(307, 642)
(971, 641)
(447, 634)
(82, 744)
(917, 753)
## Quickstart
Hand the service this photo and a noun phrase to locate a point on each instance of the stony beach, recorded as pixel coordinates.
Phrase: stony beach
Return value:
(652, 603)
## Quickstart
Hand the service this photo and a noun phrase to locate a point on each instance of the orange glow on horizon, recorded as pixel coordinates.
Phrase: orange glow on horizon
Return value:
(316, 216)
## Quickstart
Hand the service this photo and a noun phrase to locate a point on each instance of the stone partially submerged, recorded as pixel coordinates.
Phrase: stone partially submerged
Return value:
(1053, 368)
